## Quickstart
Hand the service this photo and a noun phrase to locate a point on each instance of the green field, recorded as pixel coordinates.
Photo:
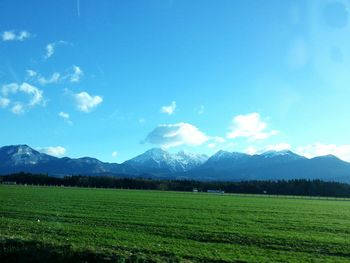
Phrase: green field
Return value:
(77, 224)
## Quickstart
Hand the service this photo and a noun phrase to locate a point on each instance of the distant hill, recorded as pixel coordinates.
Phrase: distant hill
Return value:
(19, 158)
(158, 163)
(271, 166)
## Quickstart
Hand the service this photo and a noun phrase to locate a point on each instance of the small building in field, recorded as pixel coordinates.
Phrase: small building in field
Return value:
(211, 191)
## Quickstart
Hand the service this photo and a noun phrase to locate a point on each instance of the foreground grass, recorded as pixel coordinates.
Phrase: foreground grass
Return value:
(89, 225)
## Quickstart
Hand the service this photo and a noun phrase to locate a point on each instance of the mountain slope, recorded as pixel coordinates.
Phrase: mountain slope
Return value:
(270, 166)
(157, 163)
(19, 158)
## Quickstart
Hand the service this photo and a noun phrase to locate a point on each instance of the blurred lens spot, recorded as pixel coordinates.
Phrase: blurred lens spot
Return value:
(336, 55)
(336, 15)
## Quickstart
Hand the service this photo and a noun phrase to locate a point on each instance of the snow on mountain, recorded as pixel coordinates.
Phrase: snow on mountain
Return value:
(190, 160)
(159, 159)
(22, 155)
(225, 160)
(285, 154)
(158, 163)
(224, 155)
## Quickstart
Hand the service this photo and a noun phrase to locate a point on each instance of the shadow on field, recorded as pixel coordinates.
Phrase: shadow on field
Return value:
(16, 250)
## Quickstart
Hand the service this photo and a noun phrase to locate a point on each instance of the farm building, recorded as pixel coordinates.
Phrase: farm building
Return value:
(215, 191)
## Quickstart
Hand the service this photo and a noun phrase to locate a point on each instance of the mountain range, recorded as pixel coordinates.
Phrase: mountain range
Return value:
(158, 163)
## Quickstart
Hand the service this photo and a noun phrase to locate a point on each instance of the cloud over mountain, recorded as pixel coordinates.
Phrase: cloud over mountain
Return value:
(171, 135)
(319, 149)
(56, 151)
(250, 126)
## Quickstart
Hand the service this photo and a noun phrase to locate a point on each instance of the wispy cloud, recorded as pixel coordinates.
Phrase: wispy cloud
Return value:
(250, 126)
(320, 149)
(35, 96)
(4, 102)
(114, 154)
(171, 135)
(73, 74)
(31, 73)
(17, 108)
(54, 78)
(76, 74)
(50, 48)
(169, 109)
(15, 36)
(57, 151)
(65, 116)
(271, 147)
(85, 102)
(215, 141)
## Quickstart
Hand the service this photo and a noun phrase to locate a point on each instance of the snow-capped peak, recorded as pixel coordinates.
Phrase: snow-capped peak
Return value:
(158, 158)
(283, 153)
(156, 154)
(227, 155)
(23, 155)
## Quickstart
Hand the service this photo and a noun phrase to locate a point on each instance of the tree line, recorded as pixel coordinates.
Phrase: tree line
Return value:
(297, 187)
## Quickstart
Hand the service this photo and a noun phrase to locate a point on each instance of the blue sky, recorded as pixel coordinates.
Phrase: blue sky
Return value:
(111, 79)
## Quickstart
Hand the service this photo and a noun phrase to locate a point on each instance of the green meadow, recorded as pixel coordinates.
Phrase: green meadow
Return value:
(60, 224)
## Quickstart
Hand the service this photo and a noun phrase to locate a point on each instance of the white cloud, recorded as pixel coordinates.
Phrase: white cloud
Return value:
(55, 77)
(8, 36)
(320, 149)
(86, 102)
(57, 151)
(215, 140)
(31, 73)
(170, 109)
(251, 150)
(23, 35)
(8, 89)
(171, 135)
(51, 48)
(250, 126)
(142, 120)
(12, 36)
(218, 139)
(35, 94)
(114, 154)
(278, 147)
(76, 75)
(271, 147)
(65, 116)
(4, 102)
(72, 74)
(17, 108)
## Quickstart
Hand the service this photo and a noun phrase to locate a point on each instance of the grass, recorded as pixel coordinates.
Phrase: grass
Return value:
(57, 224)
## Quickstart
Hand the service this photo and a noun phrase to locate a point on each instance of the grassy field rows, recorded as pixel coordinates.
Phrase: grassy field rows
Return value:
(80, 224)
